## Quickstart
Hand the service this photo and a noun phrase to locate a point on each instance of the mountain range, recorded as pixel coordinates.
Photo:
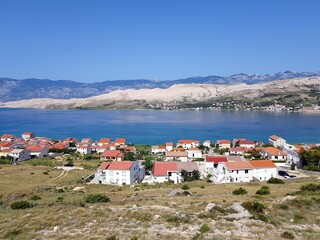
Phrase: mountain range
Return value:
(13, 89)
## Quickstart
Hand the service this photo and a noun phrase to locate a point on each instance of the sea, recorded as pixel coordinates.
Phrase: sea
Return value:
(158, 126)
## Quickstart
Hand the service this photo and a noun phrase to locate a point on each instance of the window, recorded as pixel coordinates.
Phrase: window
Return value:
(237, 171)
(111, 173)
(124, 173)
(246, 171)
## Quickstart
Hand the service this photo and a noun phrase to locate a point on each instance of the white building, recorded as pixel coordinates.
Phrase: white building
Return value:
(20, 154)
(28, 135)
(236, 151)
(38, 151)
(83, 148)
(247, 144)
(186, 144)
(276, 141)
(273, 153)
(169, 146)
(194, 153)
(158, 149)
(177, 156)
(120, 173)
(207, 143)
(7, 138)
(263, 170)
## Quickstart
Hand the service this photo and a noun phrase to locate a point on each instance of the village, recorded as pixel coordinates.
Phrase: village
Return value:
(223, 161)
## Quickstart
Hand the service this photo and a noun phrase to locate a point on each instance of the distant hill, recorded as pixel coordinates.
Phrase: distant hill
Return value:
(12, 89)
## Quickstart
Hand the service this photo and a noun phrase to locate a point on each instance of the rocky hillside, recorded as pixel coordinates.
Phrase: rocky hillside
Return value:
(12, 90)
(296, 90)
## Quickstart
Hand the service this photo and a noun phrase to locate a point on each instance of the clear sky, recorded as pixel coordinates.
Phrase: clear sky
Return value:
(96, 40)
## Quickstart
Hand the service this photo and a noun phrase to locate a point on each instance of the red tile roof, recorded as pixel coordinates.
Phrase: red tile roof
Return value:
(124, 165)
(223, 141)
(121, 140)
(236, 149)
(111, 153)
(104, 140)
(262, 164)
(216, 159)
(177, 154)
(187, 141)
(273, 151)
(274, 137)
(104, 165)
(169, 143)
(238, 165)
(162, 168)
(34, 148)
(246, 142)
(7, 136)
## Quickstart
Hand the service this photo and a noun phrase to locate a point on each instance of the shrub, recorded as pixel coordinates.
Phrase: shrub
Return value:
(253, 206)
(173, 218)
(12, 234)
(45, 173)
(284, 206)
(263, 191)
(204, 228)
(202, 186)
(21, 205)
(297, 217)
(60, 199)
(113, 237)
(275, 181)
(310, 187)
(35, 197)
(96, 198)
(185, 187)
(239, 191)
(287, 235)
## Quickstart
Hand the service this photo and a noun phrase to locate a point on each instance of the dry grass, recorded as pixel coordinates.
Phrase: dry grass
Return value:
(143, 212)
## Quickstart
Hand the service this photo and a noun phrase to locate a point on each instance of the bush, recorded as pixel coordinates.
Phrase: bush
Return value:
(275, 181)
(35, 197)
(253, 206)
(311, 187)
(21, 205)
(96, 198)
(239, 191)
(185, 187)
(287, 235)
(263, 191)
(60, 199)
(173, 218)
(204, 228)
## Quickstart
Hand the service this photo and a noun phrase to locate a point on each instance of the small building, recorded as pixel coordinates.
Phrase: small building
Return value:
(194, 153)
(273, 153)
(20, 154)
(237, 151)
(263, 170)
(28, 135)
(38, 151)
(86, 140)
(7, 138)
(169, 146)
(223, 144)
(186, 143)
(177, 156)
(112, 155)
(228, 172)
(120, 141)
(247, 144)
(120, 173)
(158, 149)
(71, 140)
(207, 143)
(6, 145)
(276, 141)
(83, 148)
(212, 162)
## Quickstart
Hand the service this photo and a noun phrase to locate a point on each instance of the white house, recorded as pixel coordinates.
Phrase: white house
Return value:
(28, 135)
(20, 154)
(247, 144)
(263, 170)
(186, 143)
(171, 171)
(38, 151)
(158, 149)
(207, 143)
(83, 148)
(120, 173)
(273, 153)
(223, 144)
(7, 138)
(177, 156)
(236, 151)
(112, 155)
(194, 153)
(276, 141)
(169, 146)
(212, 162)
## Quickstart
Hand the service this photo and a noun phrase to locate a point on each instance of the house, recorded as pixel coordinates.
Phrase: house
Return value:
(236, 151)
(223, 144)
(169, 146)
(86, 140)
(112, 155)
(20, 154)
(5, 153)
(28, 135)
(263, 170)
(212, 162)
(71, 140)
(273, 153)
(60, 145)
(6, 145)
(158, 149)
(171, 171)
(177, 156)
(207, 143)
(276, 141)
(120, 141)
(130, 149)
(120, 173)
(235, 141)
(103, 141)
(7, 138)
(83, 148)
(186, 143)
(38, 151)
(228, 172)
(247, 144)
(194, 153)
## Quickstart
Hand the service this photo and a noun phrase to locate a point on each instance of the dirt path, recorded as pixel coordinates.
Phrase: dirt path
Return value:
(62, 175)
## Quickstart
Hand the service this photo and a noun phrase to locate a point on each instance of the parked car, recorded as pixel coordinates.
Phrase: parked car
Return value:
(69, 165)
(283, 174)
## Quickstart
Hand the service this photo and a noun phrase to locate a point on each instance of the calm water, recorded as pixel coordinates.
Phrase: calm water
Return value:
(155, 127)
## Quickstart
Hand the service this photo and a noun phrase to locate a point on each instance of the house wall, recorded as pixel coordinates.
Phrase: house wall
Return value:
(264, 174)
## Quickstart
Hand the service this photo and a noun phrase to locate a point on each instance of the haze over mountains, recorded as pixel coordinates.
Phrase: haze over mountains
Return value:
(13, 90)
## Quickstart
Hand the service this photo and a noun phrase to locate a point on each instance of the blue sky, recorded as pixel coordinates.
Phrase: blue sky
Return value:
(96, 40)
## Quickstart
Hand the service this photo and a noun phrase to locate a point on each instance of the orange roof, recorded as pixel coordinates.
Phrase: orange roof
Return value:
(161, 147)
(120, 140)
(262, 164)
(187, 141)
(162, 168)
(169, 143)
(104, 140)
(124, 165)
(34, 148)
(193, 149)
(27, 133)
(223, 141)
(246, 142)
(7, 136)
(238, 165)
(274, 151)
(110, 153)
(104, 165)
(236, 149)
(274, 137)
(216, 159)
(177, 154)
(178, 149)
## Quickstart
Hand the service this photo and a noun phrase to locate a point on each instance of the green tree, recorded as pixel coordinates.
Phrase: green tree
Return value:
(129, 156)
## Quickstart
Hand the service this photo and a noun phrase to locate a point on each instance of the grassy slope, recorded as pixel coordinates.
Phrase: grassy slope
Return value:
(127, 215)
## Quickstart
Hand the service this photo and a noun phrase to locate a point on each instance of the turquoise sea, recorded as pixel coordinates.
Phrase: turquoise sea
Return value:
(156, 127)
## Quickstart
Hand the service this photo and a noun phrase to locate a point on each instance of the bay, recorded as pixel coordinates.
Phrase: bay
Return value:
(157, 127)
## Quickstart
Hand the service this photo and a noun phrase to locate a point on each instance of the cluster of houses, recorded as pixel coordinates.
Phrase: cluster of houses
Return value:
(187, 156)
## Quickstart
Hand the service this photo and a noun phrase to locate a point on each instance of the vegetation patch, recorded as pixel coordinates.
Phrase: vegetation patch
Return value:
(185, 187)
(263, 191)
(275, 181)
(35, 197)
(287, 235)
(204, 228)
(239, 191)
(21, 205)
(96, 198)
